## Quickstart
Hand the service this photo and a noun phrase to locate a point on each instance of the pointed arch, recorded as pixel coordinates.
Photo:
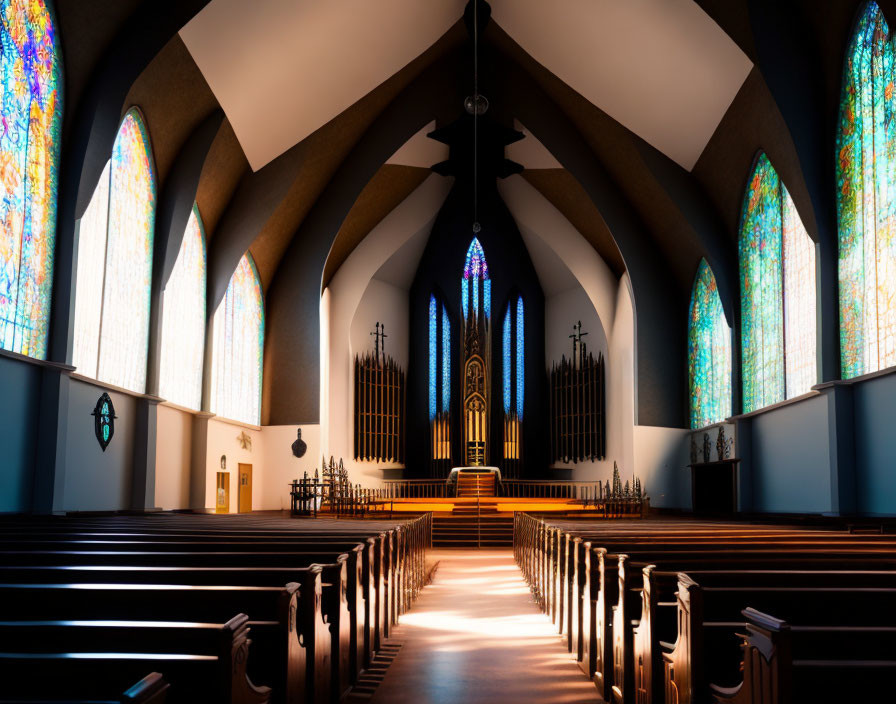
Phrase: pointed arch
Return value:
(183, 320)
(31, 87)
(115, 263)
(238, 347)
(778, 296)
(866, 198)
(476, 285)
(709, 352)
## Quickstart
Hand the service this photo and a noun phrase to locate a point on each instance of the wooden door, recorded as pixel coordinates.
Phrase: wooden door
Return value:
(245, 475)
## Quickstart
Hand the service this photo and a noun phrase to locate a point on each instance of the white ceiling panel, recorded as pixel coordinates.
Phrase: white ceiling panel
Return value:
(283, 68)
(662, 68)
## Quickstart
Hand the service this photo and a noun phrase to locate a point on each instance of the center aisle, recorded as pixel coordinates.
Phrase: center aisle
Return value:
(476, 635)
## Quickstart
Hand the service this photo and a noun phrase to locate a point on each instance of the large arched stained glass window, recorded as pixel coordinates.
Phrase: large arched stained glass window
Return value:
(115, 244)
(777, 278)
(866, 198)
(709, 352)
(31, 112)
(183, 320)
(239, 347)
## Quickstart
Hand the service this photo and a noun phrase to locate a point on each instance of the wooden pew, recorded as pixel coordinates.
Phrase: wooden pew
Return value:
(369, 576)
(848, 615)
(347, 619)
(566, 563)
(291, 644)
(396, 576)
(333, 604)
(202, 662)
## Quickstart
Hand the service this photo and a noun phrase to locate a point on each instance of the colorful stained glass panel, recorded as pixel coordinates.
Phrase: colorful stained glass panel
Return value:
(115, 264)
(31, 111)
(761, 282)
(183, 320)
(239, 347)
(800, 342)
(866, 198)
(520, 359)
(709, 352)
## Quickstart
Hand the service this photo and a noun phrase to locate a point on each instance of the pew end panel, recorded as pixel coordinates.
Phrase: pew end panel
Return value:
(682, 673)
(767, 663)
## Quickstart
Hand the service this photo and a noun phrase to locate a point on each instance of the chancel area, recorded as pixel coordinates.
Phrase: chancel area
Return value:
(447, 351)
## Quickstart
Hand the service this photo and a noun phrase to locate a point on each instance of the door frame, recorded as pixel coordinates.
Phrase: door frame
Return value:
(239, 476)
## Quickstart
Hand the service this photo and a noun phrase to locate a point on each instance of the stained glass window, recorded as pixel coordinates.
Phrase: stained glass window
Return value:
(507, 334)
(513, 359)
(520, 358)
(115, 264)
(709, 352)
(433, 357)
(183, 320)
(777, 278)
(866, 199)
(239, 347)
(476, 284)
(31, 111)
(439, 358)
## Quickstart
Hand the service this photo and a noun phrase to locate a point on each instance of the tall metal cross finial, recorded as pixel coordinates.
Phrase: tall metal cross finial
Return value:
(379, 337)
(577, 340)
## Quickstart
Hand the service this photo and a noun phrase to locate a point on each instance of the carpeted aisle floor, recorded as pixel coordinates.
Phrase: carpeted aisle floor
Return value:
(476, 635)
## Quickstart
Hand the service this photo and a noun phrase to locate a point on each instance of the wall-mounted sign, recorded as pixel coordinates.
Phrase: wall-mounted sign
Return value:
(104, 420)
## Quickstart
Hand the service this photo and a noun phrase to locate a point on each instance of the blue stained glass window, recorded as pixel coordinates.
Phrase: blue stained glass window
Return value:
(446, 361)
(433, 355)
(513, 358)
(506, 361)
(520, 358)
(439, 358)
(476, 276)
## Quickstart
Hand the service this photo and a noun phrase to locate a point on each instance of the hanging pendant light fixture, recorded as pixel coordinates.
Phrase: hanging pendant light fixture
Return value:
(476, 105)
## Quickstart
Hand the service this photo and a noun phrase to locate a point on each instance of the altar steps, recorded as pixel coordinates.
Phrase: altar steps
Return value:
(466, 529)
(473, 484)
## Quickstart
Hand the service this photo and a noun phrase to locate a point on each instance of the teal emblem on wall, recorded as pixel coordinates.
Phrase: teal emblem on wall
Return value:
(104, 420)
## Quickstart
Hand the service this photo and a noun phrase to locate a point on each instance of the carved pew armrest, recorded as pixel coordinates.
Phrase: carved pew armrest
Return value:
(767, 663)
(152, 689)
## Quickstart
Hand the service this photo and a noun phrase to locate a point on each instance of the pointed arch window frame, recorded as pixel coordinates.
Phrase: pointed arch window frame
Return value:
(866, 197)
(709, 352)
(183, 327)
(238, 372)
(112, 300)
(777, 276)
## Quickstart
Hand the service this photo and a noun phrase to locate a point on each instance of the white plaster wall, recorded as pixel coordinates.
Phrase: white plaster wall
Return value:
(661, 456)
(222, 440)
(382, 302)
(339, 305)
(173, 449)
(280, 466)
(97, 480)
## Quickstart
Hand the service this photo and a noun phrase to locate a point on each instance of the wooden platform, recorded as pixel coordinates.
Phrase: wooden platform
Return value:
(502, 504)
